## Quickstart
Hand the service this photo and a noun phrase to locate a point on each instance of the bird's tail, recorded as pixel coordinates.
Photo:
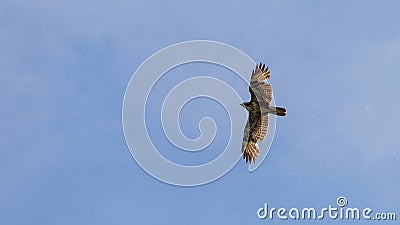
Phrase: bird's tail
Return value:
(278, 111)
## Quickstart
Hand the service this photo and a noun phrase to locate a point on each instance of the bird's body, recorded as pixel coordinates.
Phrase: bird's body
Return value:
(258, 108)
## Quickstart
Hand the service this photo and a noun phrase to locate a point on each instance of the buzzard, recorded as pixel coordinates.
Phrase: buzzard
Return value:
(259, 108)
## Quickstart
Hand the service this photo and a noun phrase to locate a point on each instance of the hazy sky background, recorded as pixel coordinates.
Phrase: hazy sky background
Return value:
(65, 66)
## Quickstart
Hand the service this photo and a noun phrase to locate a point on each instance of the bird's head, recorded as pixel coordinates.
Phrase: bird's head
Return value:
(246, 105)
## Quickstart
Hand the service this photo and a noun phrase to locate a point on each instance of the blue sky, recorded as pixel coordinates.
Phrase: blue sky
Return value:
(65, 66)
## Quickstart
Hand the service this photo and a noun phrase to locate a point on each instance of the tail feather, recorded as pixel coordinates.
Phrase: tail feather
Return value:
(279, 111)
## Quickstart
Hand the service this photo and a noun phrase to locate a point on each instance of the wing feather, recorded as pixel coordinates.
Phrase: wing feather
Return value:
(251, 152)
(263, 128)
(267, 90)
(259, 87)
(260, 74)
(255, 130)
(246, 136)
(250, 131)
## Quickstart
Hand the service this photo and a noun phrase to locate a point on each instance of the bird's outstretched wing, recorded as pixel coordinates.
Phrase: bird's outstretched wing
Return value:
(255, 131)
(259, 87)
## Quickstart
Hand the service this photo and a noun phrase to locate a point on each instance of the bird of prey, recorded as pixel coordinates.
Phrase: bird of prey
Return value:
(259, 107)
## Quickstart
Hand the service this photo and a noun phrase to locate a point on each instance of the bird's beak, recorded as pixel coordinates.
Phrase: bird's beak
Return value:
(242, 104)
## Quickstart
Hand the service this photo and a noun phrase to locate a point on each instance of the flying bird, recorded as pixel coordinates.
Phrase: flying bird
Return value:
(259, 107)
